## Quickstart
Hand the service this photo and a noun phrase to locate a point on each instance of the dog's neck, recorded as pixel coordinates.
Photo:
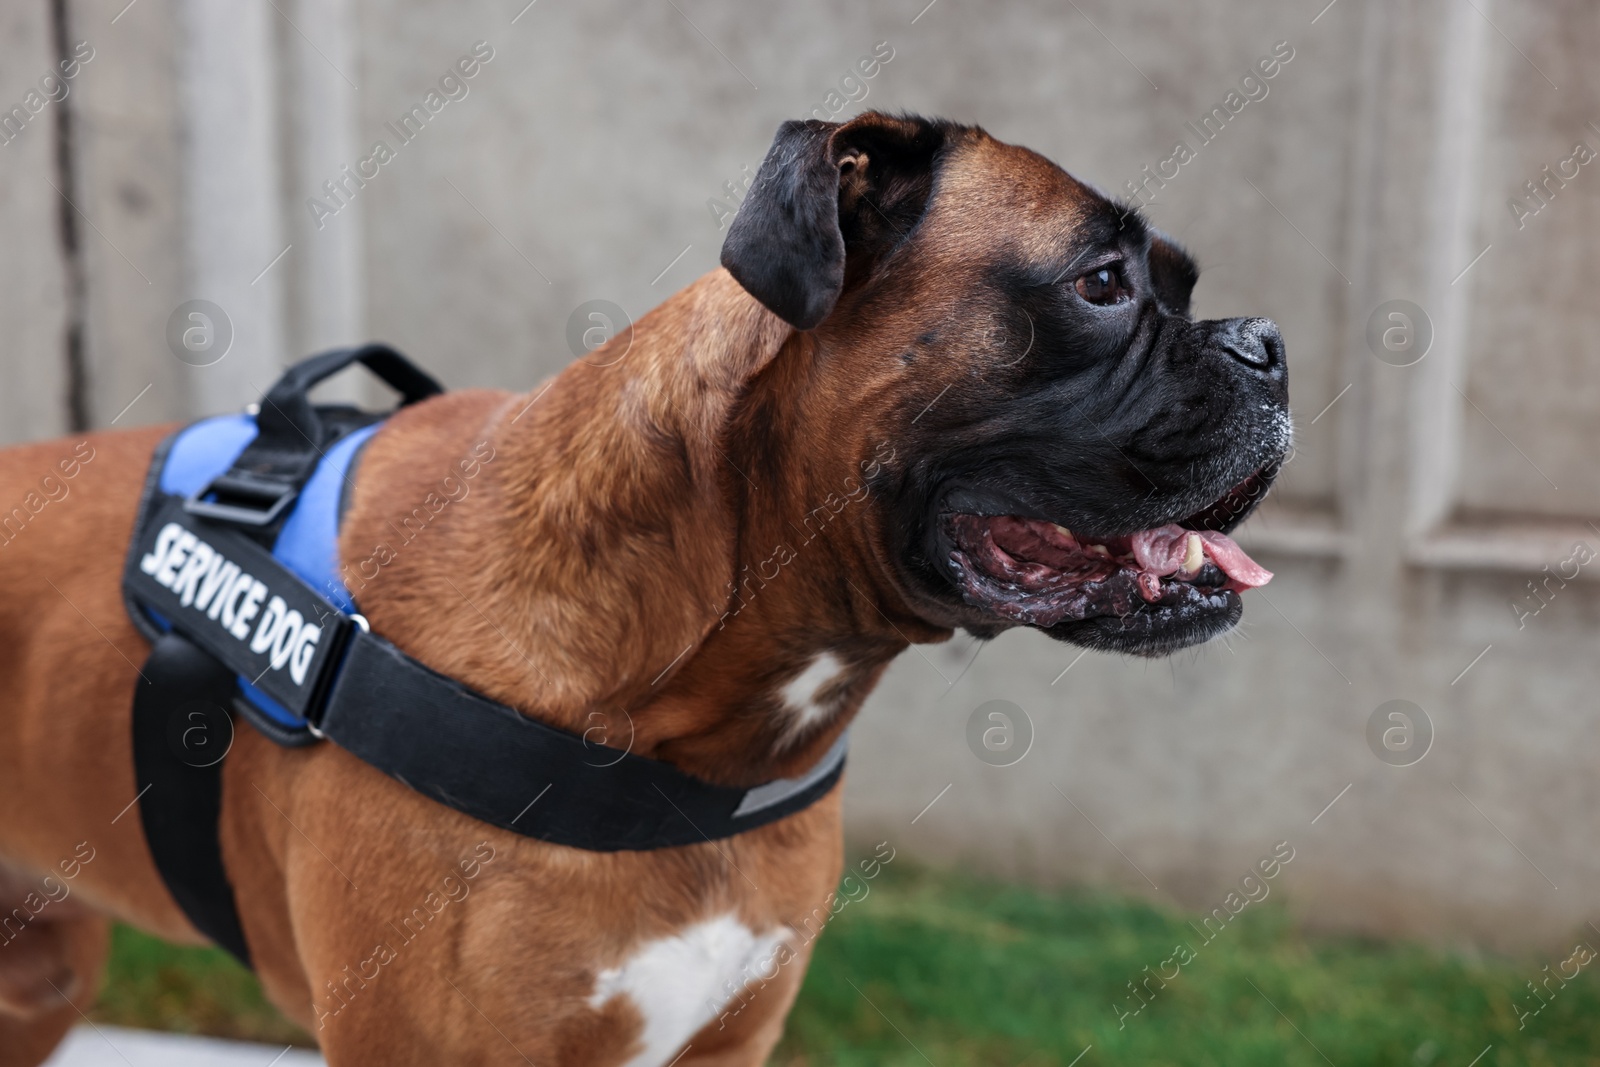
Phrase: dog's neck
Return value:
(646, 562)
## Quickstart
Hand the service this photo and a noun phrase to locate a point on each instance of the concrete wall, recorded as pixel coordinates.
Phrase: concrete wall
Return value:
(1379, 166)
(34, 274)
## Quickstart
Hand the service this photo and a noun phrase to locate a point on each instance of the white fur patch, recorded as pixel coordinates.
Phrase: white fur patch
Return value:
(681, 983)
(800, 695)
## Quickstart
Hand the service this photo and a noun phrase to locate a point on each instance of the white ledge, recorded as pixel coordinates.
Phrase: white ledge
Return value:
(113, 1046)
(1295, 532)
(1506, 546)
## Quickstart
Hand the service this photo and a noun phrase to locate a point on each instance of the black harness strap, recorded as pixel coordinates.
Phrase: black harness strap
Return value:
(180, 734)
(499, 766)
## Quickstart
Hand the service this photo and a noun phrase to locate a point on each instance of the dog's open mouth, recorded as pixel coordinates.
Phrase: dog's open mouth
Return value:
(1037, 573)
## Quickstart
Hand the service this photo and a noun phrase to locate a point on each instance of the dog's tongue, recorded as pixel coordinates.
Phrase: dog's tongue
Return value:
(1172, 549)
(1233, 560)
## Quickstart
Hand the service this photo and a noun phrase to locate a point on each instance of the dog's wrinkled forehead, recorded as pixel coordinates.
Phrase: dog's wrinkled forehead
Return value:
(997, 202)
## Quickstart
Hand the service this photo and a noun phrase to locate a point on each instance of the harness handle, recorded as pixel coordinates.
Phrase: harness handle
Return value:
(289, 421)
(292, 436)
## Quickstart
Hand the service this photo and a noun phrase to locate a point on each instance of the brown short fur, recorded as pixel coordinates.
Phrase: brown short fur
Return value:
(612, 567)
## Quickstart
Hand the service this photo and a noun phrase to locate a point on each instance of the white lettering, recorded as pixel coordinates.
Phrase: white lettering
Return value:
(247, 609)
(156, 556)
(303, 651)
(168, 571)
(268, 627)
(230, 600)
(202, 557)
(202, 578)
(229, 582)
(285, 638)
(221, 572)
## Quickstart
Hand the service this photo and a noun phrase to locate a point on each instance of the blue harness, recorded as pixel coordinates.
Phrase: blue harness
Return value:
(233, 575)
(308, 545)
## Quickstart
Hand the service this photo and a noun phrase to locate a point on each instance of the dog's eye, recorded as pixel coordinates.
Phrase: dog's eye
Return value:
(1103, 286)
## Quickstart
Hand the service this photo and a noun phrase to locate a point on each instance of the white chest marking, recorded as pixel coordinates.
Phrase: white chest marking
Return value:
(681, 983)
(801, 695)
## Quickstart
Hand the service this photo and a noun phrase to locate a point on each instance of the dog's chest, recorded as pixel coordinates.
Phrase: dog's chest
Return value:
(680, 983)
(814, 696)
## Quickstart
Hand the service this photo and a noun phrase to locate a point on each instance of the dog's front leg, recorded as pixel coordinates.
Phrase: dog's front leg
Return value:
(51, 954)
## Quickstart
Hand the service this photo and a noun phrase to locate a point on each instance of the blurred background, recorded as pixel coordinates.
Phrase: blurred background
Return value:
(1408, 195)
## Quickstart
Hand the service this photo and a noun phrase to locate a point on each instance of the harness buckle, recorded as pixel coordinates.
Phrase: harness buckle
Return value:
(242, 499)
(314, 715)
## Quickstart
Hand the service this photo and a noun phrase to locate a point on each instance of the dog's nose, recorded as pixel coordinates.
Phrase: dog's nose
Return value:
(1254, 342)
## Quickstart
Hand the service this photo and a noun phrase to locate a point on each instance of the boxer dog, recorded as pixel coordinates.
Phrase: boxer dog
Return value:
(938, 383)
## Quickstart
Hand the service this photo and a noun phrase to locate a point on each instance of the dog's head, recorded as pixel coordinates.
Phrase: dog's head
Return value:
(1050, 437)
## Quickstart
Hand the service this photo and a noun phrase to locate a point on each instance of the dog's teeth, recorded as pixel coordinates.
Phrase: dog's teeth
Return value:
(1194, 557)
(1100, 550)
(1062, 530)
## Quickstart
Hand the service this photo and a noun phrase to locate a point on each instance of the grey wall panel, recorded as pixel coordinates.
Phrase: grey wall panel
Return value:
(129, 180)
(33, 301)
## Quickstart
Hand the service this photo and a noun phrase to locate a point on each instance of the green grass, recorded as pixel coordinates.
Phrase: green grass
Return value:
(950, 971)
(976, 973)
(156, 986)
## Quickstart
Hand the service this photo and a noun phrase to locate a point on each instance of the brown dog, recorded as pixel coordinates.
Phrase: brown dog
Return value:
(940, 383)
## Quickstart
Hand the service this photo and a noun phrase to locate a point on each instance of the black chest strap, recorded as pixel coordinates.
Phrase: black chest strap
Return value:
(181, 730)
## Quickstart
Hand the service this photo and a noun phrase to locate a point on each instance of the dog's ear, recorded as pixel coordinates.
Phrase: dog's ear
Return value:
(828, 203)
(1172, 272)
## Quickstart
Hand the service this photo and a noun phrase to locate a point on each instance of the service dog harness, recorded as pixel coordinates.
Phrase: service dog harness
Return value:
(233, 576)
